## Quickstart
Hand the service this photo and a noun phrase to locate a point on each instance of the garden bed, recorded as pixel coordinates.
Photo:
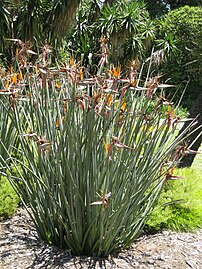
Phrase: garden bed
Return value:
(20, 247)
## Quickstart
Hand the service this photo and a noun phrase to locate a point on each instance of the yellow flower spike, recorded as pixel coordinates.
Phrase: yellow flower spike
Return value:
(72, 61)
(109, 99)
(123, 107)
(19, 75)
(109, 71)
(36, 70)
(108, 149)
(122, 110)
(133, 64)
(57, 85)
(172, 113)
(14, 79)
(116, 71)
(169, 109)
(57, 121)
(7, 85)
(65, 106)
(105, 146)
(10, 70)
(81, 73)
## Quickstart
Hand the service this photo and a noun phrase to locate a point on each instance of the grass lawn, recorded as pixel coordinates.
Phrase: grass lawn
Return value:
(184, 201)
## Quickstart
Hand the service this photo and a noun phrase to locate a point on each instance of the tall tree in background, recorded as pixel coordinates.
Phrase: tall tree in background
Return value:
(185, 65)
(41, 20)
(158, 8)
(179, 3)
(185, 25)
(126, 25)
(28, 23)
(61, 17)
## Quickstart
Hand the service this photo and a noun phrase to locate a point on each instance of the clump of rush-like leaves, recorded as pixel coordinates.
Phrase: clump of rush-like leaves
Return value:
(92, 156)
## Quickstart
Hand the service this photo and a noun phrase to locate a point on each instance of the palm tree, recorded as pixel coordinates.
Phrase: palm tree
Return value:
(62, 15)
(42, 19)
(28, 23)
(125, 24)
(128, 27)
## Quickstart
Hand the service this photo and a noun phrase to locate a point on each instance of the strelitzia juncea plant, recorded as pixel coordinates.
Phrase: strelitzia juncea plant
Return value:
(90, 169)
(8, 135)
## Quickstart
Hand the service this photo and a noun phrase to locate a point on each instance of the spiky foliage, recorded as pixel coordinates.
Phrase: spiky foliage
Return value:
(91, 164)
(126, 25)
(7, 128)
(29, 22)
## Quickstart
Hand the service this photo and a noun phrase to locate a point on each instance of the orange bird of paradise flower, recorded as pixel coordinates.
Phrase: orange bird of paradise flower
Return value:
(104, 199)
(169, 175)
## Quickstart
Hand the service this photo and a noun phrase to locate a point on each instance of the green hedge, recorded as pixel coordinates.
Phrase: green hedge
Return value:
(8, 199)
(185, 25)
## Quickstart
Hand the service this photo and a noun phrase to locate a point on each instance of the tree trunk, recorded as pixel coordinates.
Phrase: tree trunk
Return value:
(194, 112)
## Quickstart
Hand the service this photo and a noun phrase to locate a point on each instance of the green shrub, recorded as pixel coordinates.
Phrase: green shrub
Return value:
(9, 200)
(184, 66)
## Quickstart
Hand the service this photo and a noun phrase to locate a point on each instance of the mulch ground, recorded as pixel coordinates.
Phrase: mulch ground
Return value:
(21, 248)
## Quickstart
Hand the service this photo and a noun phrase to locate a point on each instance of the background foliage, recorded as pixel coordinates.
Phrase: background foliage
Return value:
(184, 66)
(125, 24)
